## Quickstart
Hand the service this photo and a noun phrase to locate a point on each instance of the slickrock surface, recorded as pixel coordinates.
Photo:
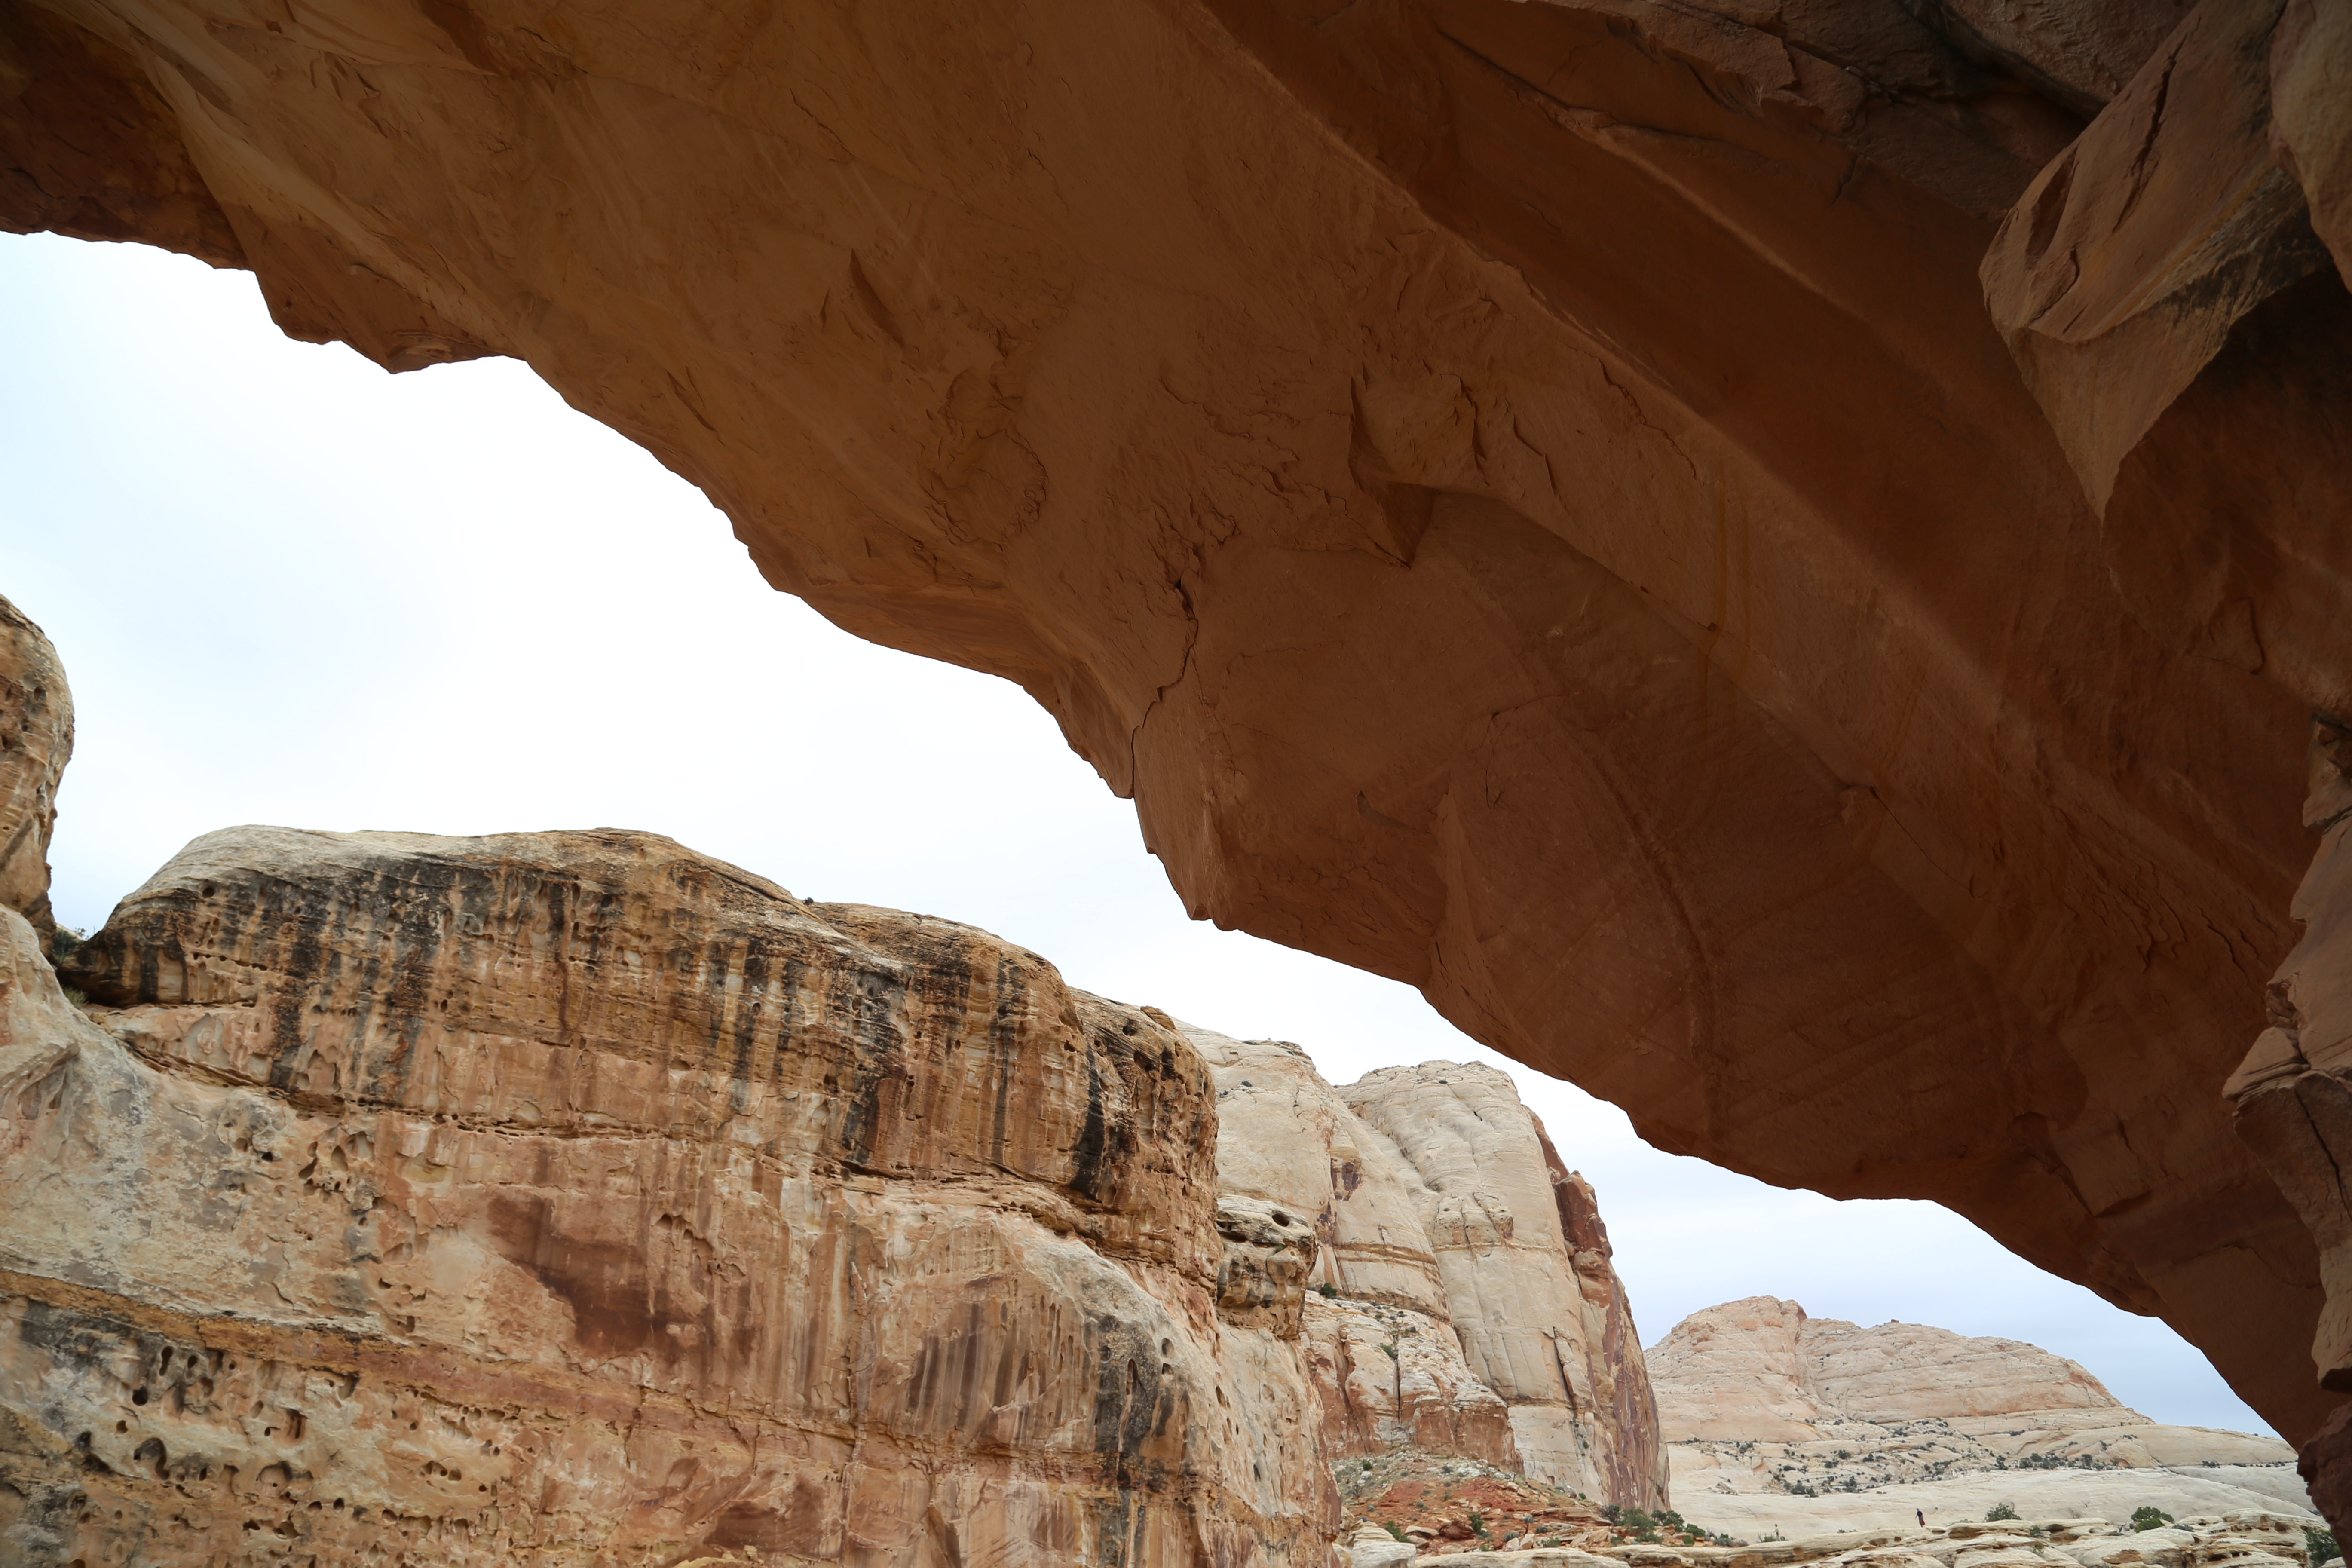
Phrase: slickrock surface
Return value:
(2253, 1539)
(36, 739)
(560, 1198)
(1778, 1421)
(1774, 560)
(1452, 1235)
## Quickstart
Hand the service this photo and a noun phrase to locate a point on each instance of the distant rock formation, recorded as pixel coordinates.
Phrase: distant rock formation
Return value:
(1452, 1236)
(1761, 1369)
(1776, 1420)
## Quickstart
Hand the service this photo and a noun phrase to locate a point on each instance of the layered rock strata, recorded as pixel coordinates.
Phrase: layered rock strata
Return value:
(1472, 1307)
(1774, 560)
(560, 1197)
(1525, 1259)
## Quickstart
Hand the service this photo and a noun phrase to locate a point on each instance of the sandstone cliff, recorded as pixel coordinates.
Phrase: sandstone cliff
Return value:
(1773, 559)
(559, 1196)
(1778, 1421)
(1474, 1309)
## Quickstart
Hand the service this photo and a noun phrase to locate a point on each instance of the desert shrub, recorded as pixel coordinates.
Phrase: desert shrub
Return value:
(2321, 1545)
(1327, 1289)
(2149, 1517)
(2000, 1510)
(1637, 1519)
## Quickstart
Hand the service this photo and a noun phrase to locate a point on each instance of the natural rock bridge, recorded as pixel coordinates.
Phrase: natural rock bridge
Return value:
(1783, 562)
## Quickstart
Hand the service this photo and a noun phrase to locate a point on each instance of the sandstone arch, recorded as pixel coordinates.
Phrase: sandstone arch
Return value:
(1534, 500)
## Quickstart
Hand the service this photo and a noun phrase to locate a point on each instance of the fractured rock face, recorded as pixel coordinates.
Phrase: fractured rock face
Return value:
(554, 1195)
(36, 739)
(1543, 1319)
(1262, 1283)
(1388, 1378)
(1453, 1325)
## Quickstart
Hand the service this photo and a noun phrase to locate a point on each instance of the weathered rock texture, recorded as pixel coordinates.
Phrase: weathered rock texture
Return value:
(1542, 1317)
(1777, 1421)
(575, 1198)
(1473, 1308)
(36, 739)
(1535, 499)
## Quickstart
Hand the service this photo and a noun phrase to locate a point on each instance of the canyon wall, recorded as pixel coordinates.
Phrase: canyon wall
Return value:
(1464, 1299)
(1775, 563)
(557, 1196)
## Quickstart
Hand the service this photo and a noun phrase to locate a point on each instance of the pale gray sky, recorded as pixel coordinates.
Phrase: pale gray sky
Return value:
(290, 588)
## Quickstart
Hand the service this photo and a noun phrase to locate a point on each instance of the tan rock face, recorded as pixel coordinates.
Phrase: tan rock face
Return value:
(1542, 1317)
(36, 739)
(1388, 1377)
(564, 1196)
(1453, 1325)
(1287, 1137)
(1530, 498)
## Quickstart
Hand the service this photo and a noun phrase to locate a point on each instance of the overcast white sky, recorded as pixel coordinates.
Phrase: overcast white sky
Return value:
(290, 588)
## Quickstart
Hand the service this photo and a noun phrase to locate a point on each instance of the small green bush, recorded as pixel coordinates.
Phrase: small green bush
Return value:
(2321, 1545)
(1397, 1530)
(2150, 1517)
(2000, 1510)
(1327, 1289)
(1637, 1519)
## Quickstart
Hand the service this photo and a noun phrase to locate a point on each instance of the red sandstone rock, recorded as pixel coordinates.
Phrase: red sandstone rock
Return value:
(1529, 497)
